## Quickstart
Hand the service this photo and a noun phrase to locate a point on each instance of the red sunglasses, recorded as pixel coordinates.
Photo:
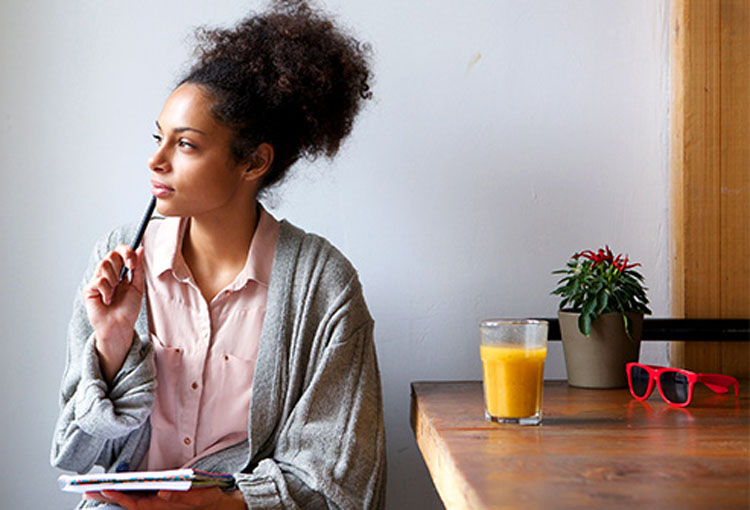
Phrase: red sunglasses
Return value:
(675, 384)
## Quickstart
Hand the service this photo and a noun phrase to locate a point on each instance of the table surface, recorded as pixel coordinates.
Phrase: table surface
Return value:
(594, 449)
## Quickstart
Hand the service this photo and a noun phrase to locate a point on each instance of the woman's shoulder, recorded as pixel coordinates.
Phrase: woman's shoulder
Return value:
(310, 272)
(314, 257)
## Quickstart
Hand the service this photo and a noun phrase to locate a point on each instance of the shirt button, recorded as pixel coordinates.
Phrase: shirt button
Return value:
(226, 358)
(186, 441)
(194, 385)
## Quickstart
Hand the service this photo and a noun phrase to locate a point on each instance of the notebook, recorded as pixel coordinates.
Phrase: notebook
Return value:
(175, 480)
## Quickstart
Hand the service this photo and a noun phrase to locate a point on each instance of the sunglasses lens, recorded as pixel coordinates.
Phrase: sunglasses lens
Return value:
(639, 379)
(675, 387)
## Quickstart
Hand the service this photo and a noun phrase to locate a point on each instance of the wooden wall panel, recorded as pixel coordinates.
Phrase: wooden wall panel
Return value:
(710, 172)
(735, 158)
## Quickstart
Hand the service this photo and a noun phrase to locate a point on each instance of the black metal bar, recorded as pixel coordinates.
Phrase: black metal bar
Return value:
(686, 330)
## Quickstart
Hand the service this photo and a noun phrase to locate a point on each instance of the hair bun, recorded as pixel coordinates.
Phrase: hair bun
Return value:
(287, 76)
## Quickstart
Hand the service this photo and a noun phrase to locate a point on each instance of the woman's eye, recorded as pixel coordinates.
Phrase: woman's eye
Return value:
(157, 138)
(185, 144)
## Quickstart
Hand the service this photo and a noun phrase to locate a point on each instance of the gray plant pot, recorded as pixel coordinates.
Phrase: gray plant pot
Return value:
(599, 360)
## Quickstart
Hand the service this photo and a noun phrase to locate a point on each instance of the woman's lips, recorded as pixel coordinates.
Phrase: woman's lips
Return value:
(160, 190)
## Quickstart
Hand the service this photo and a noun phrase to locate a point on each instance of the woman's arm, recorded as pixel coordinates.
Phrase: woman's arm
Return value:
(100, 420)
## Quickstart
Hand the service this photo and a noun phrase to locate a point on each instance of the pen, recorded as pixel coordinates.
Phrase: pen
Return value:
(141, 230)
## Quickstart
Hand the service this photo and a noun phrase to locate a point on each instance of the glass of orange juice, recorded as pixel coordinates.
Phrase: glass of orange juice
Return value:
(513, 353)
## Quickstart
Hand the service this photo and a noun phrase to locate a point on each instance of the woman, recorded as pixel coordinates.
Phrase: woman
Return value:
(240, 344)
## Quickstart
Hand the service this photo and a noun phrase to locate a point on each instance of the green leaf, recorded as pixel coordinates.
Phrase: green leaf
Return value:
(635, 274)
(627, 325)
(588, 308)
(603, 300)
(584, 324)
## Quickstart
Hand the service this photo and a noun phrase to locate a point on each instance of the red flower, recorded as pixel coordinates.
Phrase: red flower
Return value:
(605, 255)
(600, 256)
(586, 254)
(622, 266)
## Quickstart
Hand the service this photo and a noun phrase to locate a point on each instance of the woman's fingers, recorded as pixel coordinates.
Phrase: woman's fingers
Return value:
(194, 497)
(150, 502)
(127, 256)
(119, 498)
(111, 265)
(130, 502)
(176, 500)
(107, 274)
(105, 289)
(98, 496)
(98, 290)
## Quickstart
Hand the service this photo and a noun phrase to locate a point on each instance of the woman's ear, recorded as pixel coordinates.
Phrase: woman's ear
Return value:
(259, 162)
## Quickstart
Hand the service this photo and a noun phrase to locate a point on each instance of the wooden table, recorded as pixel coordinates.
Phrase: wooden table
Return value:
(594, 449)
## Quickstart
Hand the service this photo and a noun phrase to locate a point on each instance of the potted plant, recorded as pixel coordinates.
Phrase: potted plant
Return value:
(603, 301)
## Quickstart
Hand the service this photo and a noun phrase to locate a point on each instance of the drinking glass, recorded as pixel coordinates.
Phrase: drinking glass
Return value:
(513, 353)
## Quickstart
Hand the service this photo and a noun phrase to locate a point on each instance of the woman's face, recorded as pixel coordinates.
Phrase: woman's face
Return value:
(192, 171)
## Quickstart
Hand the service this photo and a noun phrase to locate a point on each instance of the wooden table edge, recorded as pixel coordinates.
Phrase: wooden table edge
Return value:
(448, 480)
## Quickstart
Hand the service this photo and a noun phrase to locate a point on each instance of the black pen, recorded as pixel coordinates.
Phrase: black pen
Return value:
(141, 230)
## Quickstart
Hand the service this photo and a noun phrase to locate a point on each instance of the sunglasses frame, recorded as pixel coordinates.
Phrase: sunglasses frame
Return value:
(716, 382)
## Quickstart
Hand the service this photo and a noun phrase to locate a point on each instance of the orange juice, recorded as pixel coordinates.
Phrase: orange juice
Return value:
(513, 378)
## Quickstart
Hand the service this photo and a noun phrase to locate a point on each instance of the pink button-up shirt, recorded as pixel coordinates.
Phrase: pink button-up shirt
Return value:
(205, 352)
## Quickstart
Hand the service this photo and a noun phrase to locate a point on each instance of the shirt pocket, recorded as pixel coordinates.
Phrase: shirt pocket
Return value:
(232, 373)
(170, 365)
(231, 380)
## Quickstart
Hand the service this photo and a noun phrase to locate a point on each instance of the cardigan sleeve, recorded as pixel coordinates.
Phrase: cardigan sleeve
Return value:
(95, 421)
(330, 452)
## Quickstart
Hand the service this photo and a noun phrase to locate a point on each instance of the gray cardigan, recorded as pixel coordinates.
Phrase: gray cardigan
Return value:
(316, 437)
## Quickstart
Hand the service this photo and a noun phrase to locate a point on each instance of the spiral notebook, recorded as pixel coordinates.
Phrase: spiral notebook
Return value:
(175, 480)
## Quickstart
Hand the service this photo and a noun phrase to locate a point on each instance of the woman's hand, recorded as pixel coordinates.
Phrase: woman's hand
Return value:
(112, 306)
(211, 498)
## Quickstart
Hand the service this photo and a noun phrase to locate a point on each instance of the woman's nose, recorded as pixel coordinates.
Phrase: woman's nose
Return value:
(158, 161)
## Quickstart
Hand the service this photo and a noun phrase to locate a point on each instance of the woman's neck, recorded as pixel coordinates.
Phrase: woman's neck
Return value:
(215, 248)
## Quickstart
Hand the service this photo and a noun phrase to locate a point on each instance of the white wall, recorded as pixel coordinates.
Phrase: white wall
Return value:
(505, 136)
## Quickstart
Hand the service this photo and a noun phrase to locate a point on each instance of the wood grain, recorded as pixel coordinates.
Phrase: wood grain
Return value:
(595, 449)
(735, 158)
(710, 176)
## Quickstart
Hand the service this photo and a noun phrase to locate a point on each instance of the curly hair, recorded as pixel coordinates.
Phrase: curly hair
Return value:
(288, 77)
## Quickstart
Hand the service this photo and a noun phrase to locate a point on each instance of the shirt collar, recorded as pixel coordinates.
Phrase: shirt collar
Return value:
(262, 249)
